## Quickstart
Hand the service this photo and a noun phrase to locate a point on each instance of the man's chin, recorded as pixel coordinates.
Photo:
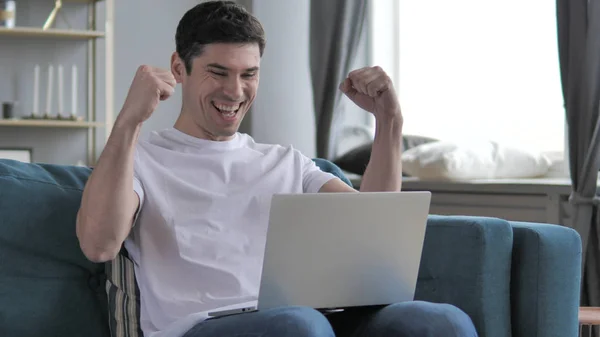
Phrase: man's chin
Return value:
(229, 129)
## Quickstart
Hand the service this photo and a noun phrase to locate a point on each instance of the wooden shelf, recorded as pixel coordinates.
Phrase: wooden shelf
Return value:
(49, 123)
(56, 33)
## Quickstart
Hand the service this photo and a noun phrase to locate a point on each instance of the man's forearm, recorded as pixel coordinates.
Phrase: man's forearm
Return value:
(384, 171)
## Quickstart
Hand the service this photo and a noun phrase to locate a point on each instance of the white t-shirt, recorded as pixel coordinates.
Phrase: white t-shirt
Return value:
(199, 238)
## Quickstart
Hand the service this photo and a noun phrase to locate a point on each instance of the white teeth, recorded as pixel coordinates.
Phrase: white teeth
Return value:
(228, 114)
(227, 107)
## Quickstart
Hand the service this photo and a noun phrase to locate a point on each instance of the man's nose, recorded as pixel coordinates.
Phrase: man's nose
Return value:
(233, 88)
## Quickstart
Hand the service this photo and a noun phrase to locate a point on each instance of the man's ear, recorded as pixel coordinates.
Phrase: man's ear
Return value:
(177, 67)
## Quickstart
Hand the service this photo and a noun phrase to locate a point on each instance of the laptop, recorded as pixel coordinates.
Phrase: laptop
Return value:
(331, 251)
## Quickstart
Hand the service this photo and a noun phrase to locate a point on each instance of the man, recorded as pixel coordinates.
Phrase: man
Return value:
(191, 203)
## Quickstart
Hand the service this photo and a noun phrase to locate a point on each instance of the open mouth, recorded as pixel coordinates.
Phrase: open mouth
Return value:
(228, 111)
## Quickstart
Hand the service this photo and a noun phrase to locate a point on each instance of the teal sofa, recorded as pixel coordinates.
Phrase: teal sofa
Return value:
(512, 279)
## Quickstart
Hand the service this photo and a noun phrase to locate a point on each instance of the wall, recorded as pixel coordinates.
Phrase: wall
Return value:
(283, 112)
(147, 39)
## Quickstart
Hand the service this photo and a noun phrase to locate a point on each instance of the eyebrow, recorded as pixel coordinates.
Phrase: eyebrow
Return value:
(218, 66)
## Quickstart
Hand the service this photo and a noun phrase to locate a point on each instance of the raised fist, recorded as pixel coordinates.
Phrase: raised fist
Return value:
(150, 86)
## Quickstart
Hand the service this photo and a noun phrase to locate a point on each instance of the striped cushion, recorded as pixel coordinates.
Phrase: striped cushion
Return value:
(123, 297)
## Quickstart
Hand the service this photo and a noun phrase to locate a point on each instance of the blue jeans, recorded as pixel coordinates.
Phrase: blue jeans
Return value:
(409, 319)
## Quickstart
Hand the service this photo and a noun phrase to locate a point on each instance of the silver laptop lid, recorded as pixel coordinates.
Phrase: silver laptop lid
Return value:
(334, 250)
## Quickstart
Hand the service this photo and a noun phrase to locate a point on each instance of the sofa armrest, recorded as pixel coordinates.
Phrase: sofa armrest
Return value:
(546, 276)
(466, 262)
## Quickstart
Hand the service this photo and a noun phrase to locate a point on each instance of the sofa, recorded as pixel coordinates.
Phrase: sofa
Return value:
(512, 279)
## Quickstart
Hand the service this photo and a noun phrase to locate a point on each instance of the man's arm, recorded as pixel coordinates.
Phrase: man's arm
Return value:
(109, 202)
(384, 172)
(372, 90)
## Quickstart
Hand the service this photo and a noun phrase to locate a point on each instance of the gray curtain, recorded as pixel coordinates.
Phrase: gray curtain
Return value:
(335, 30)
(579, 50)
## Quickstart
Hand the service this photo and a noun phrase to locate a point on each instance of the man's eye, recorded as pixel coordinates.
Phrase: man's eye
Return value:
(249, 75)
(218, 73)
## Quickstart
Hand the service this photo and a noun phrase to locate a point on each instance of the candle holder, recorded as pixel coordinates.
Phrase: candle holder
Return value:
(69, 117)
(33, 116)
(46, 117)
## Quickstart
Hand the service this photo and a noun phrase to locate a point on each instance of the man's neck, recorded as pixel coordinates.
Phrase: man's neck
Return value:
(189, 127)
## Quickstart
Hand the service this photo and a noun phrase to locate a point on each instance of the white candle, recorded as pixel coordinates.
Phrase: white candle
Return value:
(61, 106)
(36, 89)
(49, 89)
(74, 91)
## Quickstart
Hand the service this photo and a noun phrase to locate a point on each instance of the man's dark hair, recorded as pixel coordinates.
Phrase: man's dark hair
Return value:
(215, 22)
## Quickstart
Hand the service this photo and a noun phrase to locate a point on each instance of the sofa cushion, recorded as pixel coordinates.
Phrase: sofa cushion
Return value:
(356, 160)
(329, 167)
(450, 160)
(546, 278)
(123, 297)
(47, 286)
(466, 262)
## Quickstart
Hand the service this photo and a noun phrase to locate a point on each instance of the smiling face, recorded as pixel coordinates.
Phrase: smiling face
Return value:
(219, 90)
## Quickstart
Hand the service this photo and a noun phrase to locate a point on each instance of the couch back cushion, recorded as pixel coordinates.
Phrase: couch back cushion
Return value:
(47, 286)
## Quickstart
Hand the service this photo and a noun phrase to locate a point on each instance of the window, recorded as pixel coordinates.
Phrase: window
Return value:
(474, 70)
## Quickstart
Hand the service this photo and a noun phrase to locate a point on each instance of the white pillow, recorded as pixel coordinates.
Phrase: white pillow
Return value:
(445, 160)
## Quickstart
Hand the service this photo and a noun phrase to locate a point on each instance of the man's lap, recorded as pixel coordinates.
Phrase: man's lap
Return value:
(288, 321)
(416, 318)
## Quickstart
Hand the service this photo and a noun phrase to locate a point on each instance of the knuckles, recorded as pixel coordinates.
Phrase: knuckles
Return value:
(368, 79)
(144, 69)
(147, 74)
(356, 76)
